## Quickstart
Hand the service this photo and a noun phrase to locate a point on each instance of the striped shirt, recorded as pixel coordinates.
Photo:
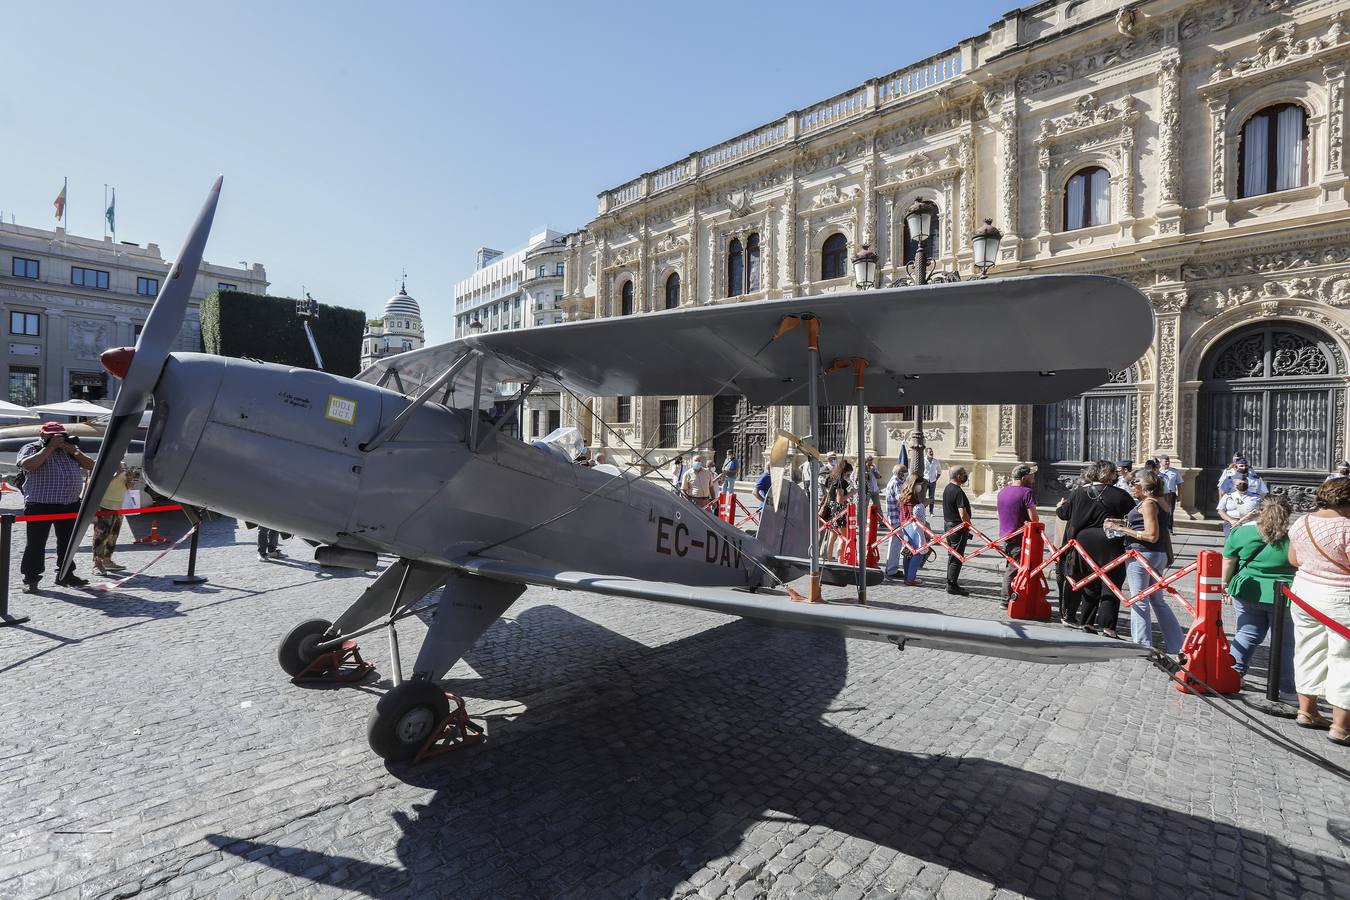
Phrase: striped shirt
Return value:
(59, 480)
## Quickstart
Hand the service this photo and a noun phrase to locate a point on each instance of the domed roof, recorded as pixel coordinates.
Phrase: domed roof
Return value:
(402, 305)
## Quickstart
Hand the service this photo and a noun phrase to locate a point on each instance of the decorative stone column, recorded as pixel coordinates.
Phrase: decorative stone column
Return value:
(1336, 169)
(1218, 160)
(1169, 145)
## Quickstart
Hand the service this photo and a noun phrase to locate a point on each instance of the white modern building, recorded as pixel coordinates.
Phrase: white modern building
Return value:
(66, 299)
(519, 289)
(398, 331)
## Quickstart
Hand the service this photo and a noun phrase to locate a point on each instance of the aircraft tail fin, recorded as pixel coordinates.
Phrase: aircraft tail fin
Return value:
(785, 528)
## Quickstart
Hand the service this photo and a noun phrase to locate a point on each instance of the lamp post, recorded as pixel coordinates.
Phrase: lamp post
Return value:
(919, 220)
(865, 268)
(307, 310)
(984, 243)
(475, 326)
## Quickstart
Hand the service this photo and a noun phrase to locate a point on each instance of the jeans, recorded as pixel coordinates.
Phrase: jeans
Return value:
(728, 485)
(1141, 627)
(1254, 621)
(35, 546)
(893, 556)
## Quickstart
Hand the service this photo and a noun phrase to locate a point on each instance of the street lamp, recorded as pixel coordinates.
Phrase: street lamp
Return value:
(984, 243)
(865, 268)
(475, 326)
(307, 311)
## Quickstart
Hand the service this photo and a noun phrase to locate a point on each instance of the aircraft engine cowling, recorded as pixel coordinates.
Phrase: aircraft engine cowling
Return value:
(263, 442)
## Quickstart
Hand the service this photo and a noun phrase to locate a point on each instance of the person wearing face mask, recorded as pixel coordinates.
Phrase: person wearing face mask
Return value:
(697, 483)
(1241, 471)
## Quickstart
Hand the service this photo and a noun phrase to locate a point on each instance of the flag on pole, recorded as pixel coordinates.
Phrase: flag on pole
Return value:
(60, 202)
(111, 213)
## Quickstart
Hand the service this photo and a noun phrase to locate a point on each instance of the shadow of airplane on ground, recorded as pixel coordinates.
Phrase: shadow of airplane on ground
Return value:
(660, 760)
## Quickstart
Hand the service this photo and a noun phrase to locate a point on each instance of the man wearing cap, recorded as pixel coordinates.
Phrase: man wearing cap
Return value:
(54, 475)
(1172, 482)
(1016, 507)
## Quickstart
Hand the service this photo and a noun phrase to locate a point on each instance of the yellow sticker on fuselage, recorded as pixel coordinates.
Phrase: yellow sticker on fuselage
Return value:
(341, 409)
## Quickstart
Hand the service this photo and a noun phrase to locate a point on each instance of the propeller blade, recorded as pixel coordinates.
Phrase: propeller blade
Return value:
(147, 362)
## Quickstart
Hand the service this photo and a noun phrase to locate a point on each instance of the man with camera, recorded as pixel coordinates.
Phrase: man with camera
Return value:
(53, 469)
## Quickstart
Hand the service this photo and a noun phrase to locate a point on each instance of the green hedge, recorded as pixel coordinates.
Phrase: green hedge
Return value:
(266, 328)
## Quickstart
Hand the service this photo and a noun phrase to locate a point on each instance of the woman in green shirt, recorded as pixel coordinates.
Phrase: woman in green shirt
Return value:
(1255, 565)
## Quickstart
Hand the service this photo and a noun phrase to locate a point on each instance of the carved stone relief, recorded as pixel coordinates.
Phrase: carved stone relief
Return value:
(1169, 131)
(1167, 381)
(88, 337)
(1277, 48)
(1081, 64)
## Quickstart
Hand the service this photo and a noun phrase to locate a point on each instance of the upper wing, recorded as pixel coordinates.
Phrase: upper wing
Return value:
(1034, 643)
(969, 342)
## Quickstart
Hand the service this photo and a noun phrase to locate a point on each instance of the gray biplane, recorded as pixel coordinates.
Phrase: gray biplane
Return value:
(420, 471)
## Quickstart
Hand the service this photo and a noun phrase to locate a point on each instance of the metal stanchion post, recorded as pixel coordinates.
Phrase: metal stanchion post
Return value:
(1277, 660)
(192, 577)
(6, 534)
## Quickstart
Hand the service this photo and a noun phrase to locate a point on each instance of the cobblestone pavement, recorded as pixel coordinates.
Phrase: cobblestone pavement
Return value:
(154, 749)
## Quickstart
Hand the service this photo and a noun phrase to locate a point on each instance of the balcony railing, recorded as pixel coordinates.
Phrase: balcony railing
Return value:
(852, 104)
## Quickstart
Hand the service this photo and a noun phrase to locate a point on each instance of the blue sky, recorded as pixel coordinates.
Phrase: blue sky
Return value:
(359, 139)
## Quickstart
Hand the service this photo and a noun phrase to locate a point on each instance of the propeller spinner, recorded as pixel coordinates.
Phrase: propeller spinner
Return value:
(140, 368)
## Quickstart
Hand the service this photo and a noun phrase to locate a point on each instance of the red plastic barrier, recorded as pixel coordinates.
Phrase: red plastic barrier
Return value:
(1029, 589)
(849, 554)
(1208, 656)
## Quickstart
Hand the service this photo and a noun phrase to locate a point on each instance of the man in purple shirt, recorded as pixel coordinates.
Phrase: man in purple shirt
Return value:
(54, 468)
(1016, 507)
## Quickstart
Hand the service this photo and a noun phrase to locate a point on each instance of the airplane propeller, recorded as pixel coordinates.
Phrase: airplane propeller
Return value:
(140, 368)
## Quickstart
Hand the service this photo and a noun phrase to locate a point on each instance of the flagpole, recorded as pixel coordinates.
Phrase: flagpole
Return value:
(105, 209)
(65, 207)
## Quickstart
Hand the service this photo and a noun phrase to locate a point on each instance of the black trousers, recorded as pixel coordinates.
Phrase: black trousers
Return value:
(35, 548)
(1099, 605)
(267, 539)
(1012, 547)
(958, 543)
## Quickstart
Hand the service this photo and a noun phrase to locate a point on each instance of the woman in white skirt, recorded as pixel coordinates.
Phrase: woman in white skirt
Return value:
(1319, 544)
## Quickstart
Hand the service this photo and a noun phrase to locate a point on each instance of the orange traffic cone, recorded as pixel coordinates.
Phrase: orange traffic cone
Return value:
(154, 537)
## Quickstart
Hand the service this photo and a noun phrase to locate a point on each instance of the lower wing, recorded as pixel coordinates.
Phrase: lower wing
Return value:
(1011, 640)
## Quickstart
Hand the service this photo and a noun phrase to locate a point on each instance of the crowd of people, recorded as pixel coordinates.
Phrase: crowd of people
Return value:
(1115, 508)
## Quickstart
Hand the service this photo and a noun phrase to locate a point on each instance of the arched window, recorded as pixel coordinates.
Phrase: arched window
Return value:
(1270, 392)
(834, 257)
(626, 302)
(752, 263)
(735, 269)
(930, 246)
(673, 290)
(1087, 198)
(1273, 154)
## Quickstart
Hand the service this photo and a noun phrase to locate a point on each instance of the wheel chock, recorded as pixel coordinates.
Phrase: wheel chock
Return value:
(456, 732)
(341, 666)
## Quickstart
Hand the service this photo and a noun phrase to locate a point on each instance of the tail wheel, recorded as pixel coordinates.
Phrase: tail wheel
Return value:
(298, 648)
(404, 719)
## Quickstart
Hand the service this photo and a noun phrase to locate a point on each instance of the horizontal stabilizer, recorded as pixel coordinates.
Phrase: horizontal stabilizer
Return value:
(1011, 640)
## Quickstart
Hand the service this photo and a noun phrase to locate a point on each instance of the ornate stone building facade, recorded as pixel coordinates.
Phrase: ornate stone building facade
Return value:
(1192, 147)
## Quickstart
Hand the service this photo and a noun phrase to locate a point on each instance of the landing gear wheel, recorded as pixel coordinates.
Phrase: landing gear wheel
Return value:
(404, 719)
(297, 648)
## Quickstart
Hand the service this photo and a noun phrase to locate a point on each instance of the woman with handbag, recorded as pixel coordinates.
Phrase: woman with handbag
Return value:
(1319, 544)
(1255, 567)
(1147, 530)
(1086, 511)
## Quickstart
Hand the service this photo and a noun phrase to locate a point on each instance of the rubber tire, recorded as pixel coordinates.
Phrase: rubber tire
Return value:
(296, 650)
(427, 706)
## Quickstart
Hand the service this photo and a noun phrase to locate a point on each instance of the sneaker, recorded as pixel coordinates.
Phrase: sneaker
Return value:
(275, 553)
(262, 557)
(72, 580)
(30, 587)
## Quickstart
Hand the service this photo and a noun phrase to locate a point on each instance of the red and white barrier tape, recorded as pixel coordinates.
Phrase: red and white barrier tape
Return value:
(113, 585)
